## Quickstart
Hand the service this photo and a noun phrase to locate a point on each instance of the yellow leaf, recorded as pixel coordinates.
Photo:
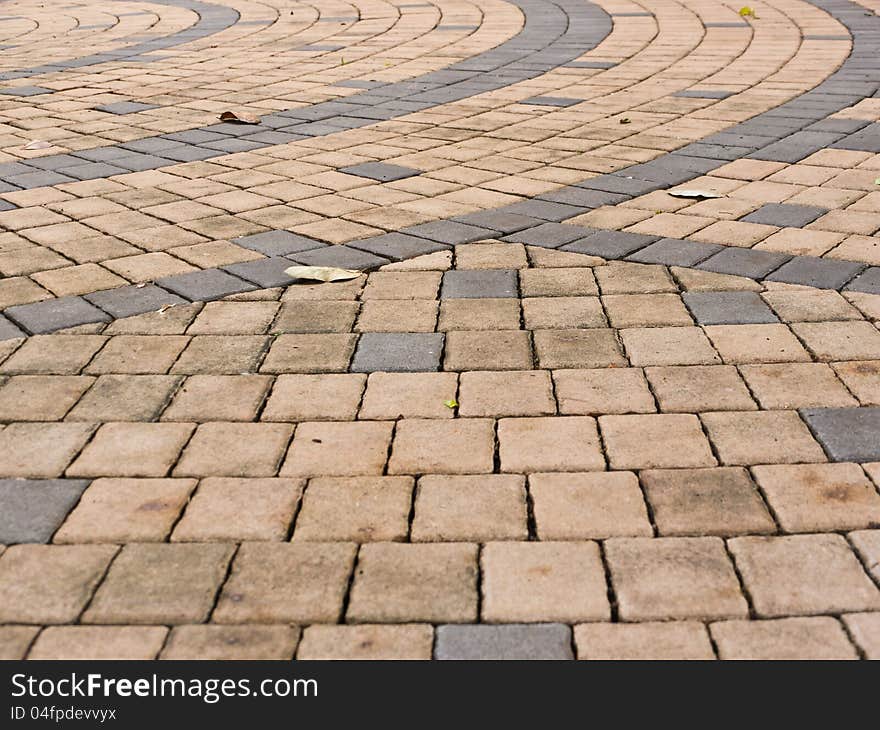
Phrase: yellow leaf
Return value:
(451, 403)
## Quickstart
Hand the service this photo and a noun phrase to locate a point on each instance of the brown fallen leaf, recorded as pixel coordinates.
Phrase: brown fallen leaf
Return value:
(234, 118)
(694, 194)
(321, 273)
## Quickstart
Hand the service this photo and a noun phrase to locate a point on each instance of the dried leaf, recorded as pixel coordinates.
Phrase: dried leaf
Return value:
(234, 118)
(451, 403)
(694, 194)
(38, 144)
(625, 120)
(321, 273)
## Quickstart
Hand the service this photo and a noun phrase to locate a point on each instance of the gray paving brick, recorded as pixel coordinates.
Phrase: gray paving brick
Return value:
(93, 171)
(32, 509)
(784, 215)
(818, 272)
(39, 179)
(398, 352)
(205, 286)
(398, 246)
(544, 208)
(479, 284)
(9, 331)
(26, 91)
(265, 273)
(127, 301)
(868, 281)
(381, 171)
(590, 64)
(497, 220)
(610, 244)
(620, 183)
(744, 262)
(550, 235)
(509, 641)
(580, 199)
(448, 231)
(846, 434)
(559, 101)
(704, 93)
(55, 314)
(277, 243)
(343, 257)
(674, 252)
(125, 107)
(728, 307)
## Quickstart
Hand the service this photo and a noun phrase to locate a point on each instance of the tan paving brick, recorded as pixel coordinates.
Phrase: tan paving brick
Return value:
(124, 398)
(756, 343)
(99, 642)
(478, 314)
(675, 640)
(865, 631)
(126, 510)
(788, 638)
(803, 575)
(131, 449)
(338, 449)
(699, 388)
(315, 317)
(601, 391)
(862, 378)
(646, 310)
(840, 340)
(796, 385)
(358, 509)
(50, 584)
(470, 508)
(588, 506)
(286, 582)
(765, 437)
(402, 285)
(218, 398)
(867, 545)
(160, 584)
(561, 282)
(499, 350)
(694, 502)
(625, 278)
(40, 397)
(234, 318)
(133, 354)
(220, 354)
(568, 443)
(543, 581)
(460, 446)
(673, 578)
(53, 354)
(505, 394)
(15, 641)
(309, 353)
(235, 449)
(668, 346)
(367, 641)
(238, 509)
(398, 583)
(562, 312)
(409, 395)
(595, 348)
(231, 642)
(40, 449)
(655, 441)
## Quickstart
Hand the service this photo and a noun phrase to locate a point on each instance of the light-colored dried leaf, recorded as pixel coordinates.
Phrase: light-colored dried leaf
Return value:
(694, 194)
(234, 118)
(321, 273)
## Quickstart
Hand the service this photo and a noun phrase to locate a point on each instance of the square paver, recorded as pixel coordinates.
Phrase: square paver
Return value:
(673, 578)
(504, 642)
(479, 284)
(132, 450)
(563, 443)
(487, 350)
(456, 446)
(763, 437)
(819, 638)
(213, 642)
(796, 385)
(653, 641)
(235, 450)
(728, 308)
(41, 450)
(398, 352)
(803, 575)
(410, 395)
(847, 434)
(338, 449)
(380, 171)
(655, 441)
(602, 390)
(528, 393)
(31, 510)
(55, 314)
(784, 215)
(367, 641)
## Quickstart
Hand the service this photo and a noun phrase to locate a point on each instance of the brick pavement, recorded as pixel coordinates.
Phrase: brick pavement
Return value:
(562, 414)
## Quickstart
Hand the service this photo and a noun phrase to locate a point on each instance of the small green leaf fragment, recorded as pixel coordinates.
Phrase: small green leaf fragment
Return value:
(451, 403)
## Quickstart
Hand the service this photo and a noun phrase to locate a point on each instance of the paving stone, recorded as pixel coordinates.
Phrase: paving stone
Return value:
(744, 262)
(810, 306)
(610, 244)
(655, 441)
(819, 497)
(367, 641)
(458, 446)
(125, 107)
(40, 397)
(286, 582)
(558, 282)
(550, 235)
(511, 641)
(675, 640)
(481, 350)
(309, 353)
(551, 101)
(54, 314)
(784, 215)
(205, 285)
(479, 284)
(818, 272)
(209, 354)
(15, 641)
(217, 398)
(127, 301)
(846, 434)
(588, 506)
(819, 638)
(343, 257)
(77, 643)
(359, 509)
(235, 449)
(840, 340)
(398, 246)
(50, 584)
(131, 449)
(33, 509)
(601, 391)
(698, 388)
(543, 581)
(380, 171)
(803, 575)
(239, 509)
(315, 317)
(211, 642)
(160, 583)
(410, 395)
(865, 630)
(9, 331)
(449, 232)
(265, 273)
(312, 397)
(765, 437)
(673, 578)
(796, 385)
(338, 449)
(41, 450)
(756, 343)
(126, 510)
(568, 443)
(506, 394)
(674, 252)
(470, 509)
(728, 308)
(278, 243)
(398, 583)
(398, 352)
(694, 502)
(138, 354)
(597, 348)
(668, 346)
